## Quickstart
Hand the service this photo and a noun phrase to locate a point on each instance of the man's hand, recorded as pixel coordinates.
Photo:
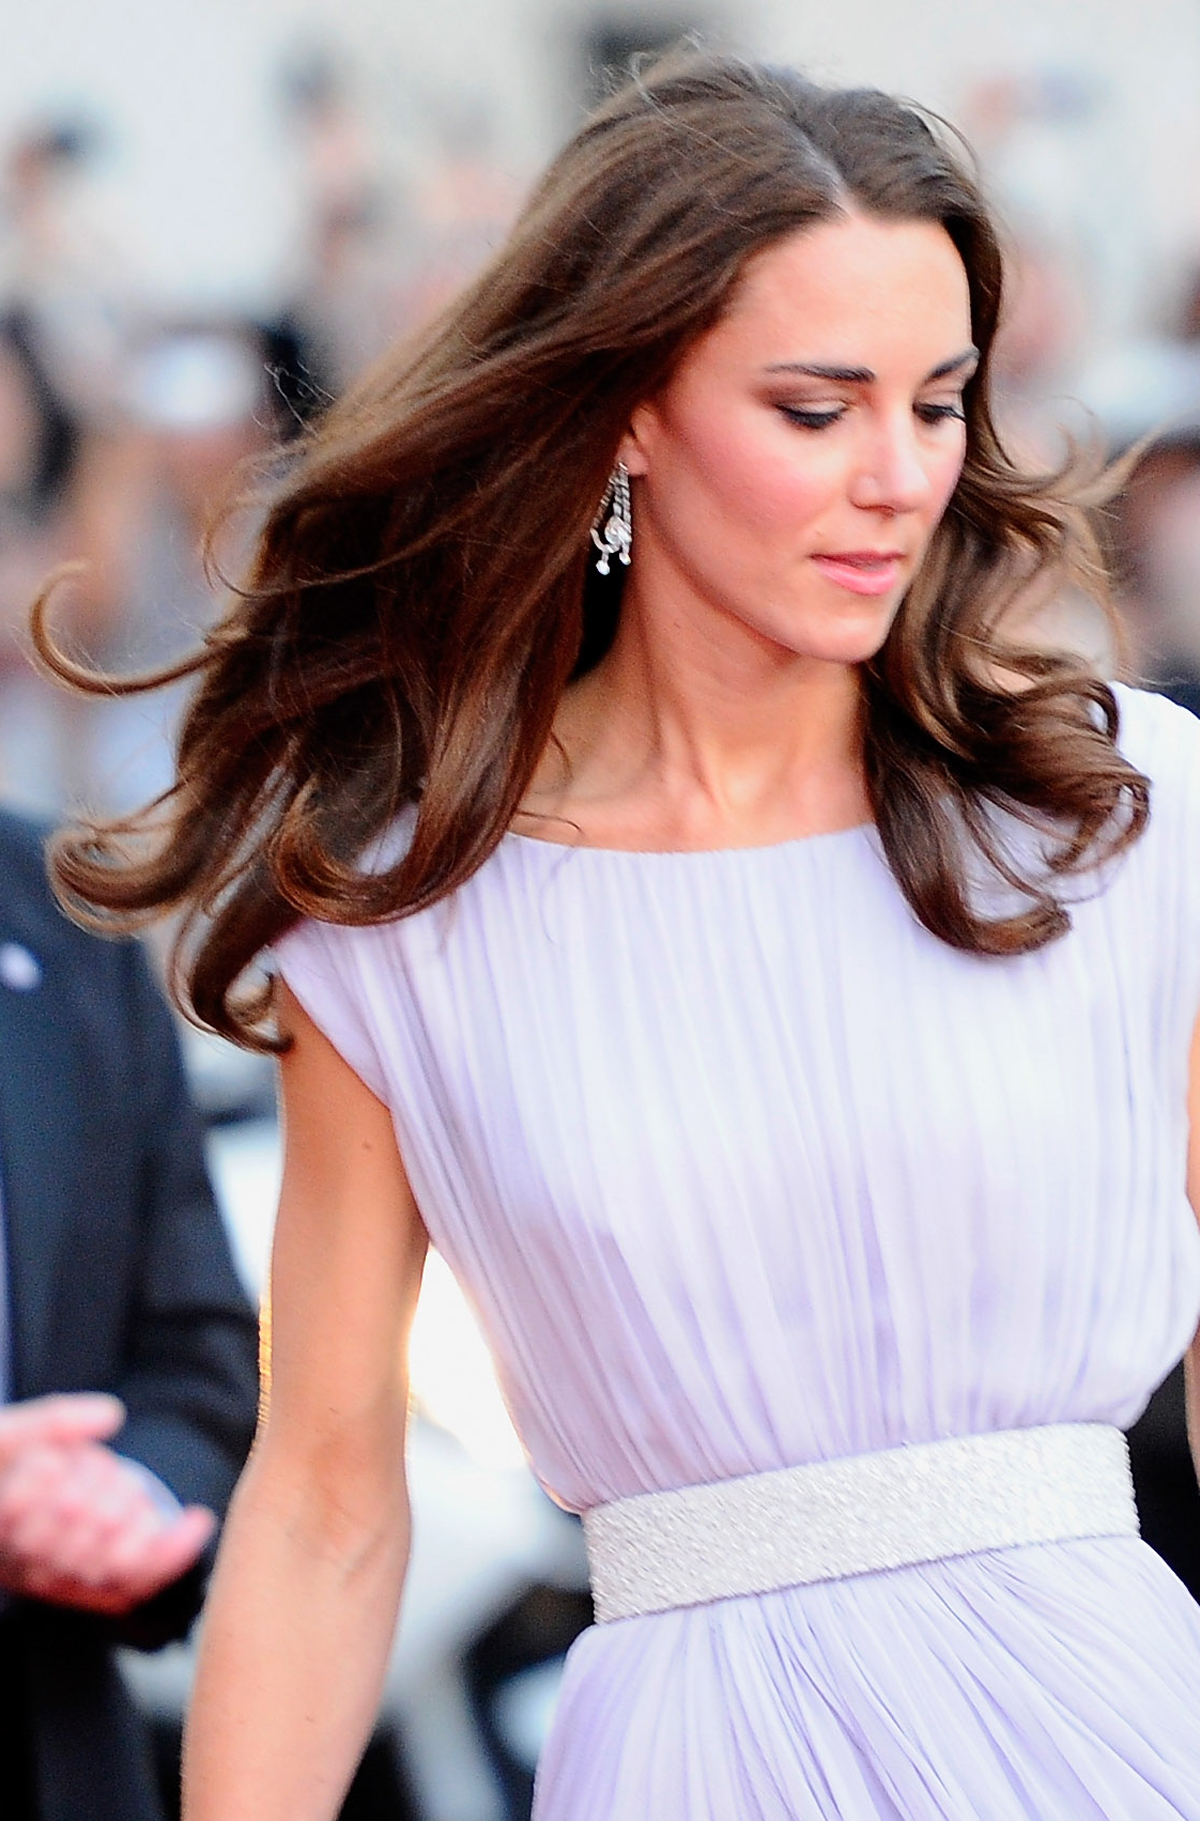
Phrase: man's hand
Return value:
(79, 1526)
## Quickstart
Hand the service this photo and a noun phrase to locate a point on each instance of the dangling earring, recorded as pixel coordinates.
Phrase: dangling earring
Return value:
(616, 537)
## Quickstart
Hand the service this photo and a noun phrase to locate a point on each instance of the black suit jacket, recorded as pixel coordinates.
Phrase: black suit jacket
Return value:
(119, 1279)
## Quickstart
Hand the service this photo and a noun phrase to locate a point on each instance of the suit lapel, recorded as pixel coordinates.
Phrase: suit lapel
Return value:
(37, 1144)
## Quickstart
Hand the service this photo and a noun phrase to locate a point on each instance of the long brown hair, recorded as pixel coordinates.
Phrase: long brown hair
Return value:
(419, 597)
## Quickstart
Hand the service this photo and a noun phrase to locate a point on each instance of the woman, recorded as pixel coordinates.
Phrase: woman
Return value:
(755, 971)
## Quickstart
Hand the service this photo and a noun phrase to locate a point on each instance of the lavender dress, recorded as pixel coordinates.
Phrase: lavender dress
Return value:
(742, 1169)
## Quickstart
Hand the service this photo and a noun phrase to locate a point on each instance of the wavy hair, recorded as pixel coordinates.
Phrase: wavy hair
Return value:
(420, 594)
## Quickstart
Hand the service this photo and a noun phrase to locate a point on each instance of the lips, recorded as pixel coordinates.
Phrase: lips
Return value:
(862, 571)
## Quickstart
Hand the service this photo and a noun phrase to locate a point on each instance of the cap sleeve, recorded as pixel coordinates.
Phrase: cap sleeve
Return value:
(320, 963)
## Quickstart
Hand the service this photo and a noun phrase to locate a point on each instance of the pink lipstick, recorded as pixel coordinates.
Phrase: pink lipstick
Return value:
(869, 572)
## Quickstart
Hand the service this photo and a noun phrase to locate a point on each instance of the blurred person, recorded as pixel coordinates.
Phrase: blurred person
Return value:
(41, 434)
(1154, 527)
(463, 207)
(196, 405)
(61, 487)
(382, 253)
(357, 240)
(39, 440)
(72, 302)
(1049, 145)
(1165, 1480)
(1156, 533)
(1156, 521)
(130, 506)
(65, 262)
(1037, 347)
(1189, 310)
(766, 981)
(127, 1353)
(1025, 125)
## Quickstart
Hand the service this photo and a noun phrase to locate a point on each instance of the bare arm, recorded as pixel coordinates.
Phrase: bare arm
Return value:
(1192, 1361)
(303, 1604)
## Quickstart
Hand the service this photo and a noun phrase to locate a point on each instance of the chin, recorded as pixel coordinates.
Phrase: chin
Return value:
(847, 644)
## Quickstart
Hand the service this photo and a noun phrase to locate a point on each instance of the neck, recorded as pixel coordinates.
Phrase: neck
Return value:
(699, 731)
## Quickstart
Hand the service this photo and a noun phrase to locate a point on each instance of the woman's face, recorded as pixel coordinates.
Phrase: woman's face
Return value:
(791, 473)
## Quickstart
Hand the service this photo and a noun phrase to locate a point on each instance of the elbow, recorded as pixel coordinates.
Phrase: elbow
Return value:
(340, 1494)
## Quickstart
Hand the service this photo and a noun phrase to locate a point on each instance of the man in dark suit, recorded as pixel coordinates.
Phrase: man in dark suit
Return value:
(127, 1353)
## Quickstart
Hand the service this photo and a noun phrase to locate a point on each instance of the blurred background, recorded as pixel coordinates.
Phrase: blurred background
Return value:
(212, 215)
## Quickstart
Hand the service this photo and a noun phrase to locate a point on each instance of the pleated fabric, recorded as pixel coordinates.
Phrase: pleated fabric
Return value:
(742, 1169)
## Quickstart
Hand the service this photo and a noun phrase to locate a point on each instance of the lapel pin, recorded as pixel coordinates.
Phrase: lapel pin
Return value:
(19, 970)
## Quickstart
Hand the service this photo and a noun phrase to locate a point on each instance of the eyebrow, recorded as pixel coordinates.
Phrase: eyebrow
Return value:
(864, 376)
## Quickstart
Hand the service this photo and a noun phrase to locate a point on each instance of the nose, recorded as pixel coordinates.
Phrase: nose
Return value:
(892, 475)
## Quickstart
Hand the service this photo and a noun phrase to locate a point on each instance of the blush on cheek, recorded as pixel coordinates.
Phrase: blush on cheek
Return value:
(764, 494)
(743, 461)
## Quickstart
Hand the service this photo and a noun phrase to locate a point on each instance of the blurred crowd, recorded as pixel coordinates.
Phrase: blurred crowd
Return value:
(124, 428)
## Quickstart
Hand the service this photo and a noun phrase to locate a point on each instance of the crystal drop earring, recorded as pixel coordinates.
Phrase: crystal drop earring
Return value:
(612, 527)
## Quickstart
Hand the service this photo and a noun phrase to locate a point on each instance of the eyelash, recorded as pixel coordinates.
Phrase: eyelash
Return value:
(822, 420)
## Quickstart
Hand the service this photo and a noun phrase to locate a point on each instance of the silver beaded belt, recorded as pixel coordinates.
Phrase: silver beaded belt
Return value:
(918, 1503)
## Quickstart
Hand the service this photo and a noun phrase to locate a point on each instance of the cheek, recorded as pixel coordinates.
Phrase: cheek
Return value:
(757, 479)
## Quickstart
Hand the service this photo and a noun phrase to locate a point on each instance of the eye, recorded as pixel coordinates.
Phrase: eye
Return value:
(813, 420)
(941, 414)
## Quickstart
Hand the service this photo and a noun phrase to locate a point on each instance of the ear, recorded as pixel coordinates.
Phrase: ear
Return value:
(636, 444)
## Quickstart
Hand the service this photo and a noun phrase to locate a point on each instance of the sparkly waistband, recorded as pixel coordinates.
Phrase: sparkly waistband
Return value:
(859, 1515)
